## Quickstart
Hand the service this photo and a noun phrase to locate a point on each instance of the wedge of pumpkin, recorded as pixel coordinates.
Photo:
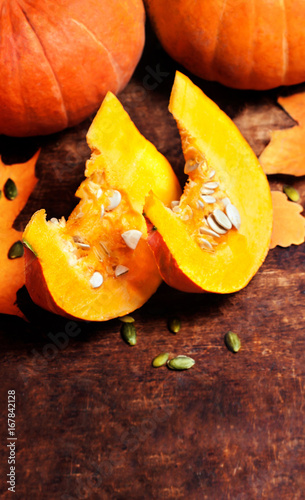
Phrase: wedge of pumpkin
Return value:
(97, 265)
(217, 235)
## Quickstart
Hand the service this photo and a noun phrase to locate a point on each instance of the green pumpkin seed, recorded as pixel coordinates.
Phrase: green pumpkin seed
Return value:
(126, 319)
(10, 189)
(129, 333)
(232, 341)
(29, 247)
(16, 251)
(292, 193)
(174, 325)
(181, 363)
(160, 360)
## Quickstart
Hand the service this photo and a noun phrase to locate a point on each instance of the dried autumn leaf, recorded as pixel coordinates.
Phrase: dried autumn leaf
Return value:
(12, 270)
(288, 224)
(285, 154)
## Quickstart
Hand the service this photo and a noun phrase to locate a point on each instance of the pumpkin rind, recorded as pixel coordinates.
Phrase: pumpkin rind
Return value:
(121, 160)
(240, 253)
(58, 60)
(248, 45)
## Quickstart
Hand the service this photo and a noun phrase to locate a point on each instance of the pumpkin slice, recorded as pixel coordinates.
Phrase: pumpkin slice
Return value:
(217, 235)
(98, 265)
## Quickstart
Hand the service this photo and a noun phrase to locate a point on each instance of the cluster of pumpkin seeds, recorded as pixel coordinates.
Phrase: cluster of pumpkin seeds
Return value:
(78, 247)
(212, 210)
(11, 192)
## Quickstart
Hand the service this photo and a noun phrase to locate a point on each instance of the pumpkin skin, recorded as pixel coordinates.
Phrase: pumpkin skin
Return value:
(58, 271)
(237, 254)
(242, 44)
(58, 60)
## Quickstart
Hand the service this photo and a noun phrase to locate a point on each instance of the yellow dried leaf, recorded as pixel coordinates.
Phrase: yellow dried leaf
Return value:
(288, 224)
(285, 154)
(12, 270)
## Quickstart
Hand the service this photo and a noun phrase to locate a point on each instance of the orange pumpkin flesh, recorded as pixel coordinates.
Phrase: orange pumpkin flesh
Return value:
(58, 60)
(185, 261)
(58, 276)
(242, 44)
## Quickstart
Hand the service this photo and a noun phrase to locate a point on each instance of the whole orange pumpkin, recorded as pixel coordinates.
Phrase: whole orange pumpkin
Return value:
(58, 58)
(245, 44)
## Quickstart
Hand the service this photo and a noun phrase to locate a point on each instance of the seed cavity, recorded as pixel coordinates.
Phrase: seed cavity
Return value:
(16, 251)
(119, 270)
(10, 189)
(114, 200)
(234, 215)
(132, 238)
(208, 199)
(96, 280)
(214, 226)
(222, 219)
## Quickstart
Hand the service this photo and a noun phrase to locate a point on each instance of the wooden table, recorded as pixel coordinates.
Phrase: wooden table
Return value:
(94, 419)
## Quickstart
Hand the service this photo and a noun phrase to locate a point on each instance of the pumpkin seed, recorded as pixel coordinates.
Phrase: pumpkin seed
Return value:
(205, 244)
(222, 219)
(160, 360)
(187, 213)
(210, 232)
(205, 191)
(119, 270)
(16, 251)
(54, 220)
(29, 247)
(233, 215)
(292, 193)
(232, 341)
(103, 246)
(80, 242)
(126, 319)
(102, 211)
(99, 193)
(129, 333)
(200, 204)
(211, 174)
(214, 226)
(211, 185)
(114, 200)
(96, 280)
(131, 238)
(176, 209)
(174, 203)
(226, 201)
(181, 363)
(10, 189)
(208, 199)
(190, 166)
(174, 325)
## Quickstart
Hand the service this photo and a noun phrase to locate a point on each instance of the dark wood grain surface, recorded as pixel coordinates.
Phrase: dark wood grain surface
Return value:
(94, 420)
